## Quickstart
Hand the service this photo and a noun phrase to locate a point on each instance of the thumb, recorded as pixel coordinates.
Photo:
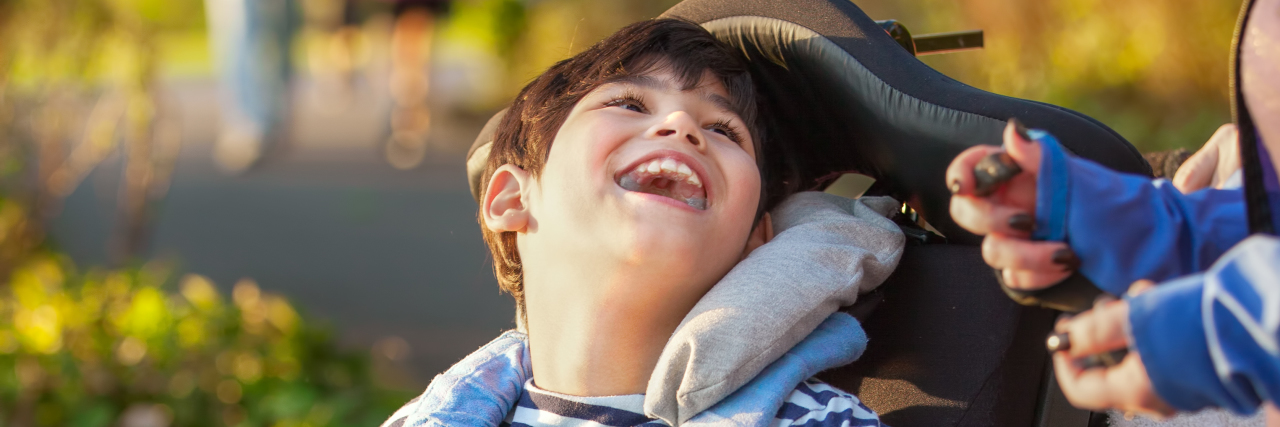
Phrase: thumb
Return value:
(1021, 147)
(1197, 171)
(1141, 286)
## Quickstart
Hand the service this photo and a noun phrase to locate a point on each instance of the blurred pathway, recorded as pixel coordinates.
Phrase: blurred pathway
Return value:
(375, 251)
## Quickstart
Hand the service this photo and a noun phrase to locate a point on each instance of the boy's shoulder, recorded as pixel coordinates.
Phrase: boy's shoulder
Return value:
(481, 387)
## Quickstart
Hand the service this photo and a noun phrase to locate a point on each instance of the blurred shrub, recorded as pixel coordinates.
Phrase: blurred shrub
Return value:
(136, 347)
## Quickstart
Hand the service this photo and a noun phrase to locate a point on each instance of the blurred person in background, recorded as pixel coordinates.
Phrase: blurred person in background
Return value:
(1209, 336)
(251, 42)
(412, 36)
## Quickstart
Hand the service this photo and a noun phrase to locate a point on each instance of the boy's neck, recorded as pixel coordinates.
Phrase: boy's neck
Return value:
(604, 343)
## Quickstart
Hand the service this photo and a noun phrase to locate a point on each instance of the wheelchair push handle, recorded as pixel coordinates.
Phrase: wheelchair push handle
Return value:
(930, 44)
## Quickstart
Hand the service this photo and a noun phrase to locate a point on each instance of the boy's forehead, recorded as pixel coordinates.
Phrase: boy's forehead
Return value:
(709, 88)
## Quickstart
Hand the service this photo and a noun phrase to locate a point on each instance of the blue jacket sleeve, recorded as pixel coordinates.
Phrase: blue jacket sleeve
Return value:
(1125, 228)
(1214, 339)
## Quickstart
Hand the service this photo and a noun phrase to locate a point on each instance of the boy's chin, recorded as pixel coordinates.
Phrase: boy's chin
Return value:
(682, 251)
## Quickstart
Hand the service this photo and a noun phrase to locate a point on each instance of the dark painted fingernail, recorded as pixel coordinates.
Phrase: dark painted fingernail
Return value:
(1058, 341)
(1067, 259)
(954, 187)
(993, 170)
(1022, 222)
(1020, 129)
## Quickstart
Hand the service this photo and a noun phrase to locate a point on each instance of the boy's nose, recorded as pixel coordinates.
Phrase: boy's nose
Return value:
(690, 137)
(680, 124)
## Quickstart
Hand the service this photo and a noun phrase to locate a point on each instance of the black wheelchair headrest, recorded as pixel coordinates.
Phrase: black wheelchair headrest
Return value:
(840, 95)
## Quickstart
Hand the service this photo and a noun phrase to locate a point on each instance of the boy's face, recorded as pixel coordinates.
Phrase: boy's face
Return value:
(644, 174)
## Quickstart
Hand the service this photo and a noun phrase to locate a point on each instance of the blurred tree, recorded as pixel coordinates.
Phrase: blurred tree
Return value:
(56, 53)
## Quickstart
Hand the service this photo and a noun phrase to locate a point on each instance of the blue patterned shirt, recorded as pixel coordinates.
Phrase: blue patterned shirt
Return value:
(813, 403)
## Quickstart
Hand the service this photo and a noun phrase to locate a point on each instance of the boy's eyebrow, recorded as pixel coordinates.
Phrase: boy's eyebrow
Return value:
(650, 82)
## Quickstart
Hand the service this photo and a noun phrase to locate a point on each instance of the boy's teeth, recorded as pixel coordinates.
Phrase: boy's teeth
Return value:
(669, 165)
(666, 177)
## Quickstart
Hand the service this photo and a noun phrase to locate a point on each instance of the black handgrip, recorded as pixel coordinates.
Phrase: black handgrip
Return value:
(1101, 360)
(1074, 294)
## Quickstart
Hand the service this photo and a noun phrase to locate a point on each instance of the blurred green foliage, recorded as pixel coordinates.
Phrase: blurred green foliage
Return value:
(138, 346)
(103, 348)
(88, 41)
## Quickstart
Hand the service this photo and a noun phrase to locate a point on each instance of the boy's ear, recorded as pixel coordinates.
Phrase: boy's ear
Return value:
(762, 234)
(504, 206)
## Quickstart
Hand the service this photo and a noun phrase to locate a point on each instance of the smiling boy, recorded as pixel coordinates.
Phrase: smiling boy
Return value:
(622, 184)
(646, 200)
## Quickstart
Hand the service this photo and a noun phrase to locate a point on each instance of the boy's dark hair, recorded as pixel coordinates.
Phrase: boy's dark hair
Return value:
(524, 134)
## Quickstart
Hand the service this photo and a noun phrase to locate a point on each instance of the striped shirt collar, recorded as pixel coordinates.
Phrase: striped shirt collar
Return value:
(538, 407)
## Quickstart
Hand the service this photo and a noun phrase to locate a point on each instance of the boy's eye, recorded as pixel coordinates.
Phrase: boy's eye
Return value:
(722, 127)
(630, 102)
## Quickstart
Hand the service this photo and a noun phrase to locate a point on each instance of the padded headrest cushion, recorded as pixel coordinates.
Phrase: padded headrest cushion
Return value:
(478, 155)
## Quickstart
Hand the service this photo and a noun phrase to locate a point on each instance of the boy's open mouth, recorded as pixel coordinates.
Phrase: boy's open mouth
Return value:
(666, 177)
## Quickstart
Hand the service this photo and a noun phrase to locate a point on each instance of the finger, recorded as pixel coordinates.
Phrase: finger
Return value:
(1006, 252)
(1060, 324)
(1133, 390)
(1137, 288)
(1125, 387)
(1228, 154)
(1025, 151)
(1030, 280)
(1099, 330)
(960, 171)
(1198, 170)
(1084, 388)
(982, 215)
(1224, 136)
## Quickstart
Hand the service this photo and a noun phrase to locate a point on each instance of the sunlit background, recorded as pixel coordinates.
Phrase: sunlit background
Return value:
(255, 212)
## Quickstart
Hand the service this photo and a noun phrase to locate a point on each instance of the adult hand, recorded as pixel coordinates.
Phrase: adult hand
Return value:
(1212, 164)
(1007, 217)
(1124, 386)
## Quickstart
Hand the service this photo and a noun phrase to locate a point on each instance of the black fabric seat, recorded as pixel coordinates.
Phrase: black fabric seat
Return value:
(947, 346)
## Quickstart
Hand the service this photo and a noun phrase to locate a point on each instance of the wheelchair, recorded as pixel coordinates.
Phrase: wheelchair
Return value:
(842, 93)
